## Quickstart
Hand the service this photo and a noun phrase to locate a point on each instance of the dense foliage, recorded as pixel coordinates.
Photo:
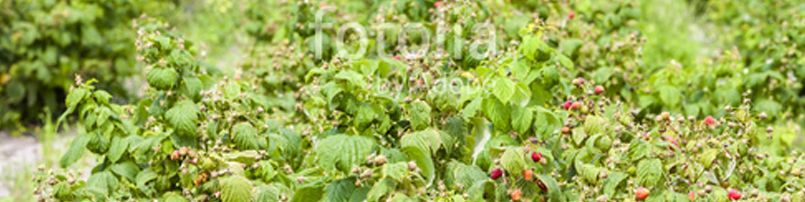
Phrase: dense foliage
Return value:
(579, 101)
(47, 43)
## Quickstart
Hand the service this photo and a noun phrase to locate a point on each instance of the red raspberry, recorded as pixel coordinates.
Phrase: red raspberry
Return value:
(709, 121)
(734, 194)
(536, 156)
(496, 173)
(641, 193)
(599, 89)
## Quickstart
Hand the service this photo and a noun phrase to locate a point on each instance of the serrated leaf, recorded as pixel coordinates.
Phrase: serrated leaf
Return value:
(472, 108)
(143, 177)
(427, 140)
(127, 169)
(343, 151)
(118, 147)
(419, 112)
(396, 171)
(192, 86)
(102, 183)
(173, 197)
(520, 70)
(522, 119)
(503, 89)
(670, 95)
(594, 125)
(102, 96)
(352, 77)
(464, 175)
(267, 193)
(162, 78)
(612, 182)
(639, 149)
(513, 160)
(707, 157)
(498, 113)
(649, 172)
(306, 194)
(244, 135)
(588, 172)
(183, 117)
(366, 114)
(401, 197)
(554, 193)
(423, 162)
(340, 190)
(246, 157)
(231, 90)
(380, 189)
(75, 96)
(76, 150)
(236, 189)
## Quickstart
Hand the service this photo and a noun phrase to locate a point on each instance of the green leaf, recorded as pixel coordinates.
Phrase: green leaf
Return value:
(236, 189)
(119, 146)
(767, 105)
(612, 182)
(162, 78)
(546, 122)
(707, 157)
(498, 113)
(427, 140)
(306, 194)
(397, 171)
(183, 117)
(102, 183)
(532, 47)
(519, 69)
(231, 90)
(601, 75)
(267, 193)
(143, 177)
(173, 197)
(554, 193)
(340, 190)
(245, 137)
(472, 108)
(420, 115)
(382, 188)
(670, 95)
(423, 162)
(366, 114)
(649, 172)
(246, 157)
(192, 86)
(513, 160)
(463, 174)
(594, 125)
(503, 89)
(343, 151)
(75, 96)
(76, 150)
(588, 172)
(126, 169)
(522, 119)
(352, 77)
(102, 96)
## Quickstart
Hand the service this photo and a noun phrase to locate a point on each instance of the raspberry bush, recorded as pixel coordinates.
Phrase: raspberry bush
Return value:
(569, 101)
